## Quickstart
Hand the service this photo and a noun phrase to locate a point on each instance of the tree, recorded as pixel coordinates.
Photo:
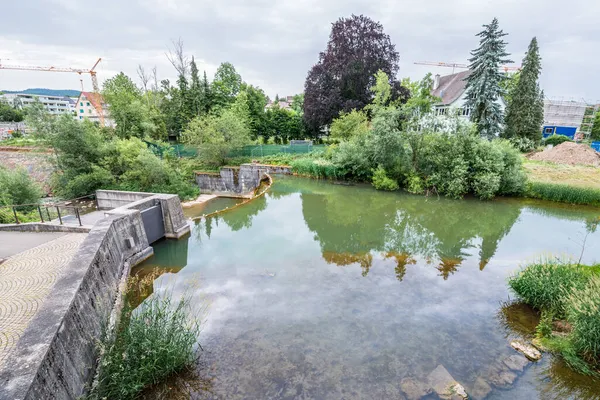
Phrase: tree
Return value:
(509, 85)
(341, 79)
(348, 125)
(195, 101)
(10, 114)
(484, 84)
(282, 125)
(525, 112)
(298, 103)
(256, 100)
(126, 107)
(595, 134)
(217, 135)
(207, 97)
(226, 85)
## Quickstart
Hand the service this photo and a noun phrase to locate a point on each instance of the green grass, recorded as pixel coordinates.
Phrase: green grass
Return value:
(316, 168)
(563, 290)
(156, 340)
(564, 193)
(546, 285)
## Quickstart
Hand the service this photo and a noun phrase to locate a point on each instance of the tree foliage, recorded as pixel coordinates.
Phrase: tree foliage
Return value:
(484, 84)
(349, 124)
(8, 113)
(525, 112)
(226, 85)
(341, 80)
(595, 133)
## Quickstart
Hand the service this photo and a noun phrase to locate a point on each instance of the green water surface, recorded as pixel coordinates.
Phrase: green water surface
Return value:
(324, 291)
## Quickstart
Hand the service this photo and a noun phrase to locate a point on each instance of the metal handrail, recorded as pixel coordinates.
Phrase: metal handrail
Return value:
(47, 207)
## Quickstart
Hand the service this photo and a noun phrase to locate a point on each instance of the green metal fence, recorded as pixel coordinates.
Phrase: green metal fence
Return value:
(181, 150)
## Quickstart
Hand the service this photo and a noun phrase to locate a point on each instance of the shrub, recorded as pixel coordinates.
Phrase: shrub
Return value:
(563, 193)
(523, 144)
(414, 184)
(556, 140)
(546, 285)
(583, 310)
(348, 125)
(159, 339)
(17, 187)
(382, 182)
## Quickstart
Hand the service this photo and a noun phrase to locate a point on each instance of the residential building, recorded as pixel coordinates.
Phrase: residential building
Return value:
(55, 105)
(285, 103)
(451, 89)
(91, 106)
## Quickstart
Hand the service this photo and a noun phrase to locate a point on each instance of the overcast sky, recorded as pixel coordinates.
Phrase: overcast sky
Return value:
(273, 43)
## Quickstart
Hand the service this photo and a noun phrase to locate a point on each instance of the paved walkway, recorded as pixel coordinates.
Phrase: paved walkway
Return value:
(12, 243)
(25, 281)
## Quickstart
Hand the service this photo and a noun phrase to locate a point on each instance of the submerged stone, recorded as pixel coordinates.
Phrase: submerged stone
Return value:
(481, 389)
(528, 350)
(444, 385)
(501, 376)
(413, 389)
(516, 362)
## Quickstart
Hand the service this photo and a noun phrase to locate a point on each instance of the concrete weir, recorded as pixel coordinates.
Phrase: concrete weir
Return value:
(237, 181)
(56, 355)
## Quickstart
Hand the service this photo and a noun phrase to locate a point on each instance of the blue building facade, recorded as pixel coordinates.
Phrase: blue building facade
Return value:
(568, 131)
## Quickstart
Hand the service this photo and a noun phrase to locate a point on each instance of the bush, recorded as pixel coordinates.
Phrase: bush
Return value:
(17, 187)
(156, 340)
(563, 193)
(382, 182)
(523, 144)
(546, 285)
(348, 125)
(83, 184)
(583, 310)
(555, 140)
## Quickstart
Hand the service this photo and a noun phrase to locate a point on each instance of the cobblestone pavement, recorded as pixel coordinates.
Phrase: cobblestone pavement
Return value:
(25, 281)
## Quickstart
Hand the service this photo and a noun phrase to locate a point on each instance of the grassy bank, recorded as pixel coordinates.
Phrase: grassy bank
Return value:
(572, 175)
(568, 296)
(154, 341)
(564, 193)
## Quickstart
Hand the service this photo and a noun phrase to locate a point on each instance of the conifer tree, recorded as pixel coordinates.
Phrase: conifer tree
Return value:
(195, 92)
(525, 112)
(483, 87)
(206, 95)
(595, 133)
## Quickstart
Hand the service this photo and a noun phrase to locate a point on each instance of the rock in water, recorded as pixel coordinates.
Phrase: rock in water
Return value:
(413, 389)
(528, 351)
(516, 362)
(500, 376)
(481, 389)
(445, 385)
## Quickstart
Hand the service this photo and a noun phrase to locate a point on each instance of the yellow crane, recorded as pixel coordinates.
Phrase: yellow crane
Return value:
(79, 71)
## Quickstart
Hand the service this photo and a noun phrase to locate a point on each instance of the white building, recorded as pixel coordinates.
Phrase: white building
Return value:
(91, 106)
(452, 90)
(54, 104)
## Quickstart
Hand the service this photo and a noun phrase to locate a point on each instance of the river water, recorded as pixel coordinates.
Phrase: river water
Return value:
(325, 291)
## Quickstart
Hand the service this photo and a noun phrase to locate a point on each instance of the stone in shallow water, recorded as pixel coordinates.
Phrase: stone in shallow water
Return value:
(481, 389)
(516, 362)
(413, 389)
(528, 350)
(500, 376)
(445, 385)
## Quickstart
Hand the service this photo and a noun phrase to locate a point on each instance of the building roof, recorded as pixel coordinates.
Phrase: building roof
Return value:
(451, 87)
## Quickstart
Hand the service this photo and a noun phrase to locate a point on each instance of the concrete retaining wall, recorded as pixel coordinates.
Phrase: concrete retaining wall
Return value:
(55, 357)
(39, 227)
(237, 181)
(109, 199)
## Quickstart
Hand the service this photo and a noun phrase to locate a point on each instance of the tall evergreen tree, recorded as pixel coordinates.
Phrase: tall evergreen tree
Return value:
(195, 93)
(206, 95)
(595, 133)
(525, 112)
(484, 88)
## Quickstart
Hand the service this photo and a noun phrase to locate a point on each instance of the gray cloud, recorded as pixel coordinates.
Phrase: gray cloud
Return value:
(273, 44)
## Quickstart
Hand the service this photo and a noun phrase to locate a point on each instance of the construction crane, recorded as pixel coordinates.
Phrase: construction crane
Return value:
(91, 71)
(506, 68)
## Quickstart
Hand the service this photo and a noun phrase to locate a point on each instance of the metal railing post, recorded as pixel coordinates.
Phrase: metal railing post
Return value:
(48, 212)
(78, 216)
(41, 215)
(59, 217)
(15, 214)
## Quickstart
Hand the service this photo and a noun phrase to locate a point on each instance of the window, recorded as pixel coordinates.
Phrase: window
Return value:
(81, 117)
(90, 110)
(88, 104)
(81, 104)
(81, 111)
(548, 130)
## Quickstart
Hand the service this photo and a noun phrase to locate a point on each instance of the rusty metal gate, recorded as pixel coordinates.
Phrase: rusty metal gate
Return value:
(153, 223)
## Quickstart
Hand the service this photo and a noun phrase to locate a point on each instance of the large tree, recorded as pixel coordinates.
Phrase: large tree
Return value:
(195, 94)
(226, 85)
(525, 112)
(257, 100)
(484, 84)
(341, 79)
(595, 134)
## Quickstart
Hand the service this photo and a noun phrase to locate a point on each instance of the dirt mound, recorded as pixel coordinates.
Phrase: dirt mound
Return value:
(569, 153)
